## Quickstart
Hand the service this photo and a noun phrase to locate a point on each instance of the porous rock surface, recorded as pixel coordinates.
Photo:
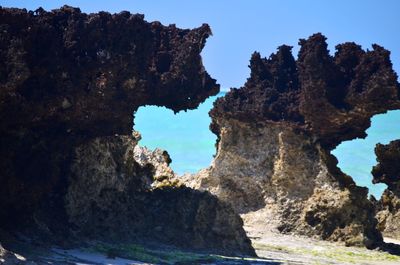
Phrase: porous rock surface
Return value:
(69, 85)
(67, 77)
(388, 171)
(275, 134)
(111, 196)
(330, 97)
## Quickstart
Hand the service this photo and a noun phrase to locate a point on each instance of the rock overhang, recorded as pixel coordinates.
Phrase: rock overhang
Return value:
(99, 67)
(329, 97)
(67, 77)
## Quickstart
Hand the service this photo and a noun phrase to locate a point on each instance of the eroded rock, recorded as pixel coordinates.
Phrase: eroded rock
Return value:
(111, 197)
(388, 214)
(69, 85)
(388, 171)
(388, 168)
(67, 77)
(331, 97)
(280, 180)
(275, 134)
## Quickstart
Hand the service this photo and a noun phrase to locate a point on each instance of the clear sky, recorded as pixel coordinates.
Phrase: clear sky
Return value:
(241, 27)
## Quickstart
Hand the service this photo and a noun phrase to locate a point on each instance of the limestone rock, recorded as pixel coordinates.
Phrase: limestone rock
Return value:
(69, 85)
(288, 183)
(101, 165)
(331, 97)
(275, 135)
(67, 77)
(388, 171)
(111, 196)
(160, 159)
(388, 168)
(388, 214)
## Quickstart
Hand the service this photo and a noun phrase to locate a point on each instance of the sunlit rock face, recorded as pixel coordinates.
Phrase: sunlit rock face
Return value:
(276, 132)
(122, 192)
(67, 77)
(388, 171)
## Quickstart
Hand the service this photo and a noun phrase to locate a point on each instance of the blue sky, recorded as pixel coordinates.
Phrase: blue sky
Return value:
(241, 27)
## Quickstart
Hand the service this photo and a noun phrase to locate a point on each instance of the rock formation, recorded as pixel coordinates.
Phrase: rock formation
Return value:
(111, 196)
(69, 85)
(66, 77)
(388, 171)
(275, 134)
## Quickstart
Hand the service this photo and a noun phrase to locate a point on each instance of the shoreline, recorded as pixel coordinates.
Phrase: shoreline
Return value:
(272, 249)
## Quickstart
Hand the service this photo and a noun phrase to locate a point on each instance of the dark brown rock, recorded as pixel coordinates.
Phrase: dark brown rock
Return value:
(69, 85)
(388, 168)
(388, 171)
(275, 134)
(330, 97)
(67, 77)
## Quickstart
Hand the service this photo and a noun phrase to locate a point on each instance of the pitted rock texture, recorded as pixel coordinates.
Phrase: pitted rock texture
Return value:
(388, 168)
(163, 175)
(388, 171)
(103, 165)
(110, 197)
(276, 132)
(67, 77)
(330, 97)
(388, 214)
(280, 180)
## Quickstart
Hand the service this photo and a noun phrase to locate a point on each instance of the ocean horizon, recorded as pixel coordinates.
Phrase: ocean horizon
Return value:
(190, 143)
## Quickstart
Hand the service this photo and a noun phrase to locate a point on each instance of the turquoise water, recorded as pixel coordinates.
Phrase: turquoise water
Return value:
(186, 135)
(357, 157)
(190, 143)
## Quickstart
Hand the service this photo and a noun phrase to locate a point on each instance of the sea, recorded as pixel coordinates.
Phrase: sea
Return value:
(191, 145)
